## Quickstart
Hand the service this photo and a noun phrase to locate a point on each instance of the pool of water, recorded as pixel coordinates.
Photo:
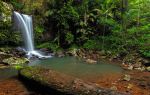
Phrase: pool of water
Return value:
(77, 67)
(6, 73)
(68, 65)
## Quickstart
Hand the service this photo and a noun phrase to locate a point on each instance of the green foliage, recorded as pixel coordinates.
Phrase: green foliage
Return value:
(64, 17)
(7, 35)
(79, 19)
(38, 31)
(116, 26)
(145, 49)
(52, 46)
(91, 44)
(44, 45)
(69, 37)
(17, 5)
(145, 53)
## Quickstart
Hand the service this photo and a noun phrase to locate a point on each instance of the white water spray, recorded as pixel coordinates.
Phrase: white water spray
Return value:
(24, 23)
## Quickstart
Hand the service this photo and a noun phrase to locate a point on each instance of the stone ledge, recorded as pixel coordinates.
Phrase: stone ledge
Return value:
(64, 83)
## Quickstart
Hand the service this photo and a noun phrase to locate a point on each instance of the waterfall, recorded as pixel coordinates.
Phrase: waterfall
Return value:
(24, 23)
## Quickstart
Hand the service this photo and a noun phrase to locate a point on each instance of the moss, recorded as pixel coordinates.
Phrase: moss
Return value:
(34, 73)
(26, 72)
(15, 60)
(5, 49)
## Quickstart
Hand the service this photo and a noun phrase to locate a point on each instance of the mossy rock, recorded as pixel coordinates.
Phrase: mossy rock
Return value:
(64, 83)
(15, 61)
(5, 49)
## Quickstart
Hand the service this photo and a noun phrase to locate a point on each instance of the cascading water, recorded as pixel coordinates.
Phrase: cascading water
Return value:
(24, 23)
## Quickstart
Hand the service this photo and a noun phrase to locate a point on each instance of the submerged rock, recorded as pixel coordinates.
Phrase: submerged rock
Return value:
(15, 61)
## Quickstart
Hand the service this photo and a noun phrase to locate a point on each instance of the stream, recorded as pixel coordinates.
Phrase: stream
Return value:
(78, 67)
(10, 84)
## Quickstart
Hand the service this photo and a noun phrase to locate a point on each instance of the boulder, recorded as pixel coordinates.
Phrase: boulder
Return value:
(15, 61)
(66, 84)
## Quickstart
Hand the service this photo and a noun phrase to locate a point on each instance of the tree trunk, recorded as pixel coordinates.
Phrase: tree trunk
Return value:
(124, 7)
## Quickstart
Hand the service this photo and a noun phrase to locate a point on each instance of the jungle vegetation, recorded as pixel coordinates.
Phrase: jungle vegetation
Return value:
(113, 26)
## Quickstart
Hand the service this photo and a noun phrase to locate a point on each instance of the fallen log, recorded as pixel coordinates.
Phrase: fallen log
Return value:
(64, 83)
